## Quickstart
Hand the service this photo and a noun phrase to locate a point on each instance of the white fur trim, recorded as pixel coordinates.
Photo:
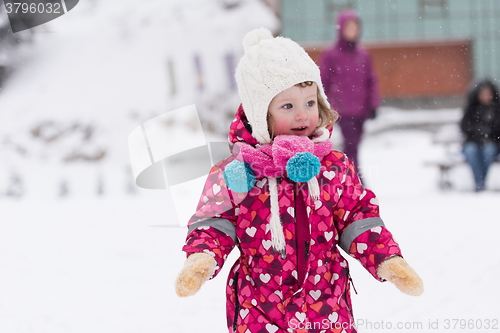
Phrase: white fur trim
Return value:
(324, 134)
(278, 238)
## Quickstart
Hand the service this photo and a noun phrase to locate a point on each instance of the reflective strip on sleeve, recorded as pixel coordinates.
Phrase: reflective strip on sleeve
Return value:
(357, 228)
(222, 225)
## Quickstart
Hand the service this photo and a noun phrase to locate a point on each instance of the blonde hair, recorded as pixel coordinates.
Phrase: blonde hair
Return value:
(327, 116)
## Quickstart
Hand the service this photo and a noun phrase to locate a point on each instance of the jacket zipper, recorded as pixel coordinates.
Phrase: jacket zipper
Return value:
(347, 292)
(307, 250)
(236, 302)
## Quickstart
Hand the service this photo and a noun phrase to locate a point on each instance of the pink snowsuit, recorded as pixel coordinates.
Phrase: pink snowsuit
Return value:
(308, 289)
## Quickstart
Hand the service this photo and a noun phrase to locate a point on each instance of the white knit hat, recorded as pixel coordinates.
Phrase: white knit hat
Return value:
(269, 66)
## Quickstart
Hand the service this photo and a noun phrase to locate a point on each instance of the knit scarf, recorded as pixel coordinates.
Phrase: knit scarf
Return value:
(298, 156)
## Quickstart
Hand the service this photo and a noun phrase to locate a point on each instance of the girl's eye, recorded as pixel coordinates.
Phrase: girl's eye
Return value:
(310, 103)
(287, 106)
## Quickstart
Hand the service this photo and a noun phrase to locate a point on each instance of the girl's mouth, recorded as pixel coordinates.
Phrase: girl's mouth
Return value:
(301, 128)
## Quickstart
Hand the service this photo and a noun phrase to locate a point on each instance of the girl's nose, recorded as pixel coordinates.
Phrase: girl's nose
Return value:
(301, 114)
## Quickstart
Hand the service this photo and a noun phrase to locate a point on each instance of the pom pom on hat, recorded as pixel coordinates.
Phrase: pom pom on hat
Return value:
(255, 36)
(302, 167)
(239, 177)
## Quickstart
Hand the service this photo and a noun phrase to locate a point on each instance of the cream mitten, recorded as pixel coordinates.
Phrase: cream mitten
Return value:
(198, 268)
(397, 270)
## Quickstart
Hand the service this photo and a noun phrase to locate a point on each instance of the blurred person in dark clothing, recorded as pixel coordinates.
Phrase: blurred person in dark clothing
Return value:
(480, 126)
(349, 81)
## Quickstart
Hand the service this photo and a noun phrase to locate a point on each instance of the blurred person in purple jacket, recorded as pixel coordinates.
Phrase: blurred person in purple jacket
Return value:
(349, 81)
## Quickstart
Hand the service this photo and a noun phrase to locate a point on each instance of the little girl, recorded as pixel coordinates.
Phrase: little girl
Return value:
(288, 202)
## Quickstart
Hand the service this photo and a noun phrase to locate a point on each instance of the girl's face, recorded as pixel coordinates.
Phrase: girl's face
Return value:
(294, 111)
(351, 31)
(485, 96)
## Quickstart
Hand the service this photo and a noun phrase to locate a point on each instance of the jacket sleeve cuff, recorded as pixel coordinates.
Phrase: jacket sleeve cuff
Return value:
(372, 247)
(212, 241)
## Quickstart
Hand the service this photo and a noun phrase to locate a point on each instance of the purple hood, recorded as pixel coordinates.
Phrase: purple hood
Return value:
(343, 17)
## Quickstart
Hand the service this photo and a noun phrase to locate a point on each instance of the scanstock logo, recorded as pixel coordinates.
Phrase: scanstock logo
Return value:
(26, 14)
(171, 152)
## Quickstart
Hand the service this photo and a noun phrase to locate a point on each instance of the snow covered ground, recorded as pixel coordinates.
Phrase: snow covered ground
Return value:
(75, 261)
(108, 264)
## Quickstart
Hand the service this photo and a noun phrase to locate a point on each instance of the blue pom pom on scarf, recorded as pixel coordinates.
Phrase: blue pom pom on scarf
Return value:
(239, 177)
(301, 167)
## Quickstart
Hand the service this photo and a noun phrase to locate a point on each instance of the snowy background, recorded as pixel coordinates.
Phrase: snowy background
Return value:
(82, 249)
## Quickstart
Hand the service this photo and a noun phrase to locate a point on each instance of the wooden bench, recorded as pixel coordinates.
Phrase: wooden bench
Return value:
(444, 166)
(450, 138)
